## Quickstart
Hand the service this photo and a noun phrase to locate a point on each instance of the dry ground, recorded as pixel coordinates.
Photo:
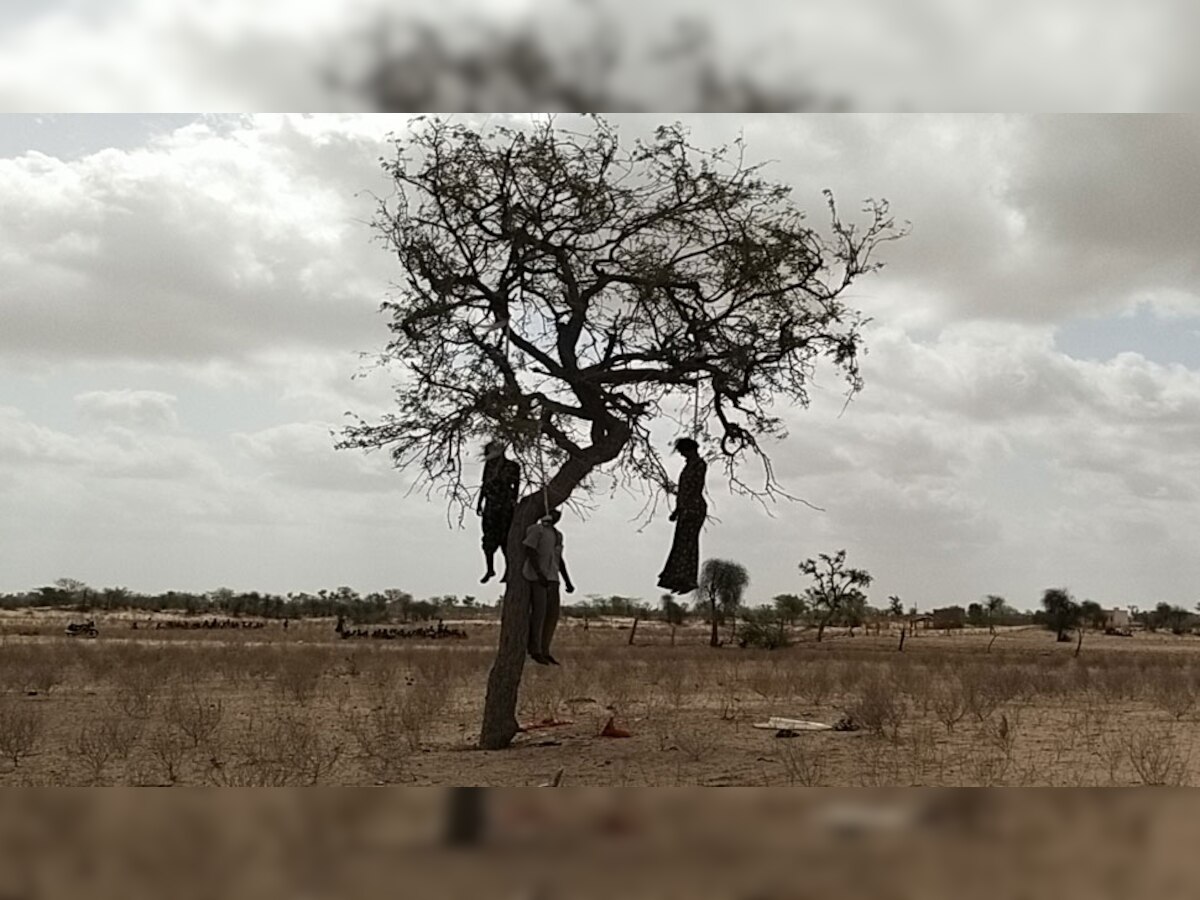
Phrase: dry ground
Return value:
(298, 707)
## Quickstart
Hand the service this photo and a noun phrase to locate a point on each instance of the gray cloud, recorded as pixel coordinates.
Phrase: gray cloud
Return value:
(186, 317)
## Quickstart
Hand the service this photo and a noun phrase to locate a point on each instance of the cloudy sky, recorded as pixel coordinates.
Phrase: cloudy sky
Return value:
(875, 55)
(184, 301)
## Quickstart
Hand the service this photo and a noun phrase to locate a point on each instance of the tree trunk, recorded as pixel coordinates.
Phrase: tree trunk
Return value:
(466, 817)
(504, 680)
(633, 631)
(715, 640)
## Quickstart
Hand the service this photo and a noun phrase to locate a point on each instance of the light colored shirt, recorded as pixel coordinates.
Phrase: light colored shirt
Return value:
(548, 542)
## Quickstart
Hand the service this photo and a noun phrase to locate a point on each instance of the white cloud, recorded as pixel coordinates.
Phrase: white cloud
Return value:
(136, 409)
(211, 242)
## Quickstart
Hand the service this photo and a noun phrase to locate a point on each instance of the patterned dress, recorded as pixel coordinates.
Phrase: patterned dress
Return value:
(501, 479)
(682, 569)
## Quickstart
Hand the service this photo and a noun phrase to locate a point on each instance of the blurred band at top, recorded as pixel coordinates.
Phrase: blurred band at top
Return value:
(598, 55)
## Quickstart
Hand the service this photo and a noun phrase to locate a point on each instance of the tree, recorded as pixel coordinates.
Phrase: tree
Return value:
(976, 615)
(996, 606)
(895, 607)
(1093, 615)
(561, 292)
(837, 587)
(790, 607)
(1062, 612)
(722, 585)
(1174, 618)
(674, 612)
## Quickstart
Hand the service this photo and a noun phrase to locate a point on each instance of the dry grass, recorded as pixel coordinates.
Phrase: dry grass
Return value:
(301, 708)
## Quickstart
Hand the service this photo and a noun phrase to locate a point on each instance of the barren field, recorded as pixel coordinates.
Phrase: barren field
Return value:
(270, 706)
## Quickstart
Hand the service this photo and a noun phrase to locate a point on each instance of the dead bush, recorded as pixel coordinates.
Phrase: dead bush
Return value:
(298, 675)
(980, 692)
(43, 672)
(193, 714)
(1157, 756)
(167, 748)
(542, 695)
(279, 749)
(948, 702)
(21, 726)
(802, 763)
(1173, 690)
(814, 682)
(100, 740)
(136, 689)
(878, 707)
(696, 740)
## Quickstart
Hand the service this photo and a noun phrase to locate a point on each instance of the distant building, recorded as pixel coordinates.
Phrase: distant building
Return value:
(1117, 620)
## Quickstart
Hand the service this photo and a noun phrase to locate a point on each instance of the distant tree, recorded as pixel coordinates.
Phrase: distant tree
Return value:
(853, 613)
(674, 612)
(399, 604)
(790, 607)
(976, 615)
(1062, 613)
(996, 606)
(895, 607)
(1174, 618)
(1093, 615)
(836, 587)
(722, 584)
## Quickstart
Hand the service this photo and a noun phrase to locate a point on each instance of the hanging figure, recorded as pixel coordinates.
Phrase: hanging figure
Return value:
(679, 575)
(497, 501)
(544, 563)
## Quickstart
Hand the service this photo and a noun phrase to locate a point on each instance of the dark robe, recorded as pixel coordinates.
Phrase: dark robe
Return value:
(682, 569)
(501, 479)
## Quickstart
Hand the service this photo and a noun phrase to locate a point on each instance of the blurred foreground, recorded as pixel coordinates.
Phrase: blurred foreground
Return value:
(743, 844)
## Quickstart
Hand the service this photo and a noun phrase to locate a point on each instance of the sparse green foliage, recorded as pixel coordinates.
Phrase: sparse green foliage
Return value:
(837, 588)
(723, 583)
(1062, 613)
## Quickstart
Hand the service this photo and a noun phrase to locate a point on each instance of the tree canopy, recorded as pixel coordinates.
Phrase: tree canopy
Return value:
(562, 292)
